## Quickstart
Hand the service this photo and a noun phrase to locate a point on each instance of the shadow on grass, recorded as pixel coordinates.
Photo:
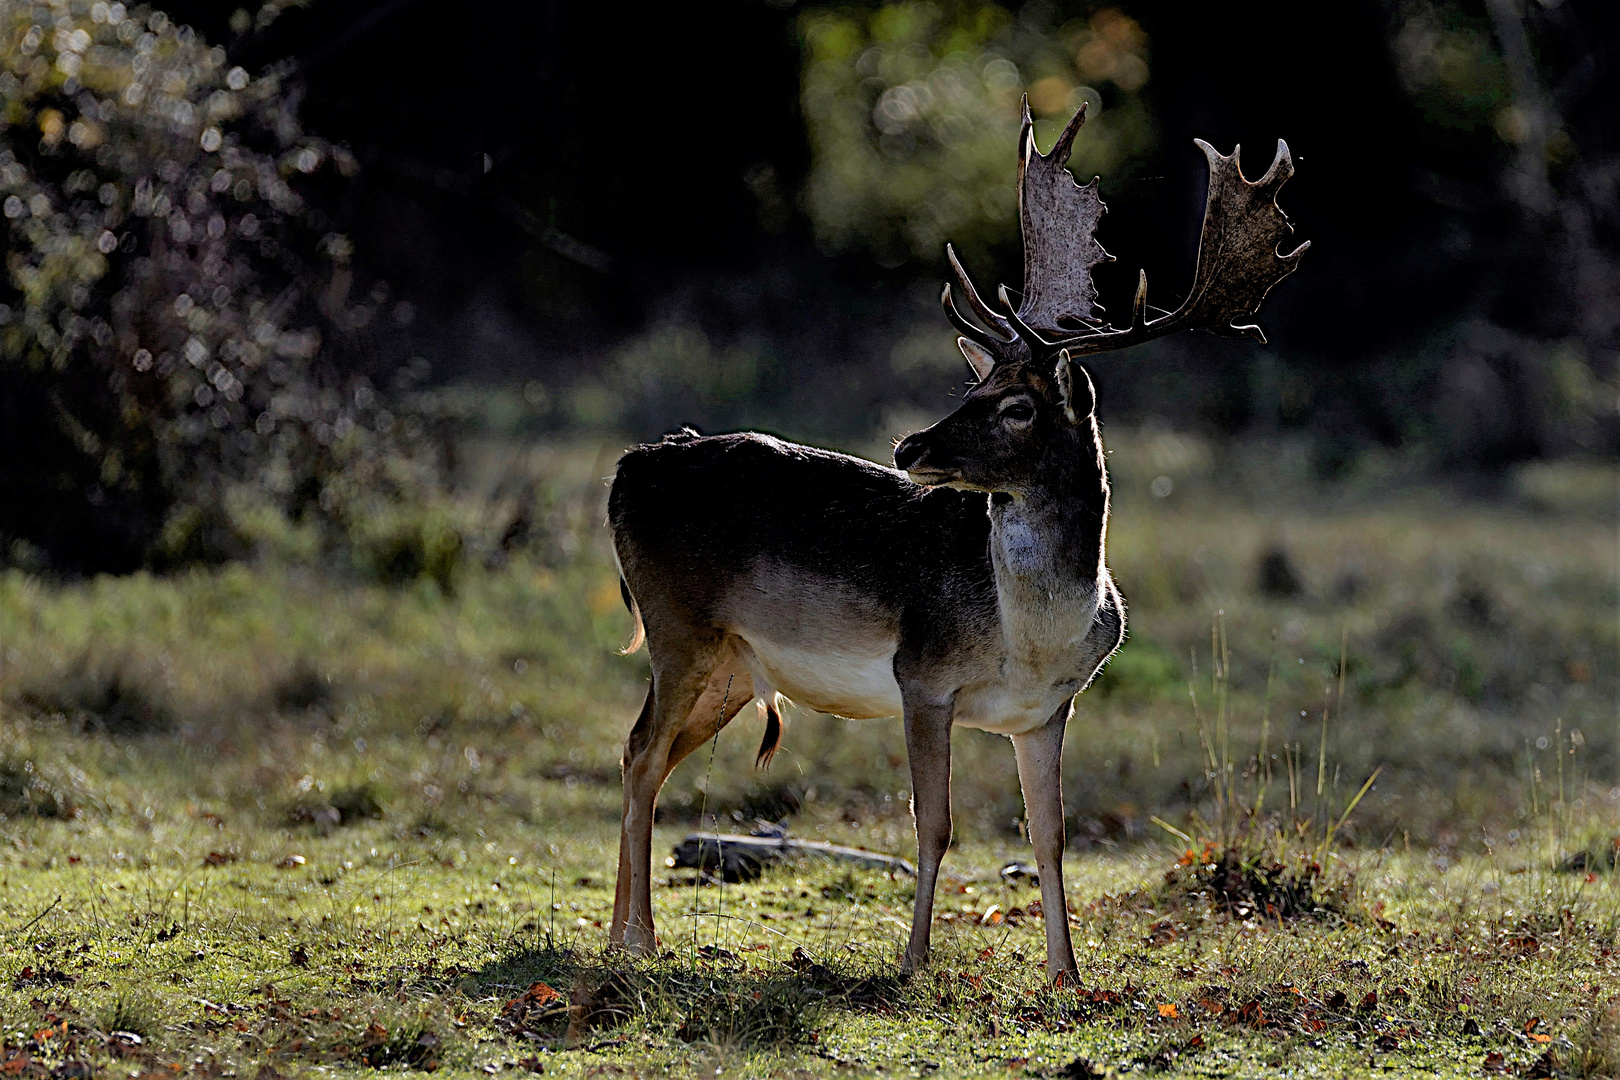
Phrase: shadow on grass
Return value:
(713, 996)
(515, 972)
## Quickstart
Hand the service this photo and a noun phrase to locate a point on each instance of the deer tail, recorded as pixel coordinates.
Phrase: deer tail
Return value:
(773, 731)
(638, 636)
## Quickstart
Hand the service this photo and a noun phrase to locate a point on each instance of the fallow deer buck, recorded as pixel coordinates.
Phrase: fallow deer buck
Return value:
(966, 586)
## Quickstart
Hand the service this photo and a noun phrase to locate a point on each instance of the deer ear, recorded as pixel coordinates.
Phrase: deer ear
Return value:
(979, 358)
(1079, 396)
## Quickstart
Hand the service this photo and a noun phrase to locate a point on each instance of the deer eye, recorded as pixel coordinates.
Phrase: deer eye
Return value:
(1019, 411)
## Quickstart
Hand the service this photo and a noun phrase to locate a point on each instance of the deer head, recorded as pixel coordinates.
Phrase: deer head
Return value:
(1033, 400)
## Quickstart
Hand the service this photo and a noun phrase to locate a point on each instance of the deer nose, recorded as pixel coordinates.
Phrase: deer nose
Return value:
(910, 451)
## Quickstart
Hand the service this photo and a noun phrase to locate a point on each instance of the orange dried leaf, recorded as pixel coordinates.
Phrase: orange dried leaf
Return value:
(1168, 1010)
(540, 993)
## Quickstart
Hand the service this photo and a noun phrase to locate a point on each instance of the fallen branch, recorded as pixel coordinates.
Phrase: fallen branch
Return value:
(744, 858)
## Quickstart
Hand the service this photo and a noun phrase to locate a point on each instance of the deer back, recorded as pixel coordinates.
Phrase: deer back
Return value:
(707, 530)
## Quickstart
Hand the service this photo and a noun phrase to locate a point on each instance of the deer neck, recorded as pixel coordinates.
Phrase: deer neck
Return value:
(1046, 546)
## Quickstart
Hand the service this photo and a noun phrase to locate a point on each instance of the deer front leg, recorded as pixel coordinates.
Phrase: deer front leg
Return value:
(928, 747)
(1040, 774)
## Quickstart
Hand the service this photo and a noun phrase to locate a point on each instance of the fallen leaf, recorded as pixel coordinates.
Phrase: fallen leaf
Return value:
(537, 996)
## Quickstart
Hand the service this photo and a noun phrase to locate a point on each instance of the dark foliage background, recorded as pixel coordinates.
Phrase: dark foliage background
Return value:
(642, 216)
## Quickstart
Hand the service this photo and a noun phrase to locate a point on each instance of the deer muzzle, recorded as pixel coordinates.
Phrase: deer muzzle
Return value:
(912, 458)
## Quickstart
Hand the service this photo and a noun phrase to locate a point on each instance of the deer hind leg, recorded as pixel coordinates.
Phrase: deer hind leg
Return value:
(690, 701)
(636, 747)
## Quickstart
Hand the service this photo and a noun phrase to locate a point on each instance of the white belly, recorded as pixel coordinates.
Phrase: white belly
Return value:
(859, 683)
(856, 680)
(1008, 709)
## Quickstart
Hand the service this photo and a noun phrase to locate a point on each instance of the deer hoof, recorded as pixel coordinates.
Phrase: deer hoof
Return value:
(639, 941)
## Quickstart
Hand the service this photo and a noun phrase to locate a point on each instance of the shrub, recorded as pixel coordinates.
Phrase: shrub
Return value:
(174, 313)
(25, 793)
(396, 542)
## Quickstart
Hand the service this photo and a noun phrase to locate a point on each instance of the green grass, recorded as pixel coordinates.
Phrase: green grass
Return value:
(256, 961)
(272, 817)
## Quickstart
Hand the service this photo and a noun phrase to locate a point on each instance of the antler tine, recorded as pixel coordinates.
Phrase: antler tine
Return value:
(996, 345)
(1065, 144)
(1026, 129)
(983, 311)
(1281, 170)
(1039, 347)
(1061, 149)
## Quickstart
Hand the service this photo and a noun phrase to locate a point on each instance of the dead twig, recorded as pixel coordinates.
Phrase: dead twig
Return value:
(48, 909)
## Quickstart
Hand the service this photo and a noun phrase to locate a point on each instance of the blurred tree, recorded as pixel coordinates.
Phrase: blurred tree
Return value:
(912, 109)
(171, 303)
(1516, 97)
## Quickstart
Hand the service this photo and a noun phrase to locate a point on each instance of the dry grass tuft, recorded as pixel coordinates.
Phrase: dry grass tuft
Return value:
(110, 694)
(343, 806)
(1248, 881)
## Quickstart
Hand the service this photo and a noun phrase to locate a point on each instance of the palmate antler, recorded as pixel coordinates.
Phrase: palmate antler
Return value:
(1238, 259)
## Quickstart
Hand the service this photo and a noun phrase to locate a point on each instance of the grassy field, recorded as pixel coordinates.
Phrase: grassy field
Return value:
(267, 820)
